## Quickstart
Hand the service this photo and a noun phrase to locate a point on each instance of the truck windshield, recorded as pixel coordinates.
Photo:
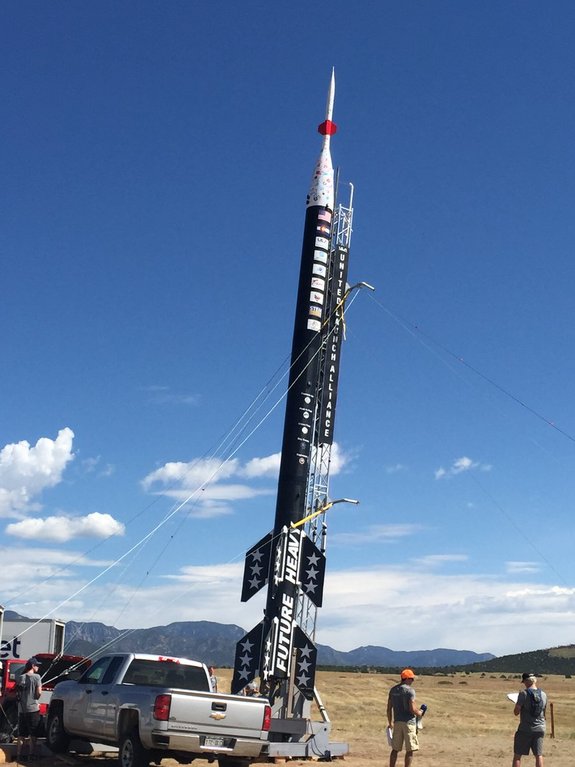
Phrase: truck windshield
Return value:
(153, 673)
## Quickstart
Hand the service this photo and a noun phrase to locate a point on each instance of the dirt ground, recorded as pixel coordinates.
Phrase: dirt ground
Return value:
(469, 721)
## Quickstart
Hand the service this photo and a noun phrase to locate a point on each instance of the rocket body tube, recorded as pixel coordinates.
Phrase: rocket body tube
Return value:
(310, 311)
(280, 626)
(285, 559)
(302, 394)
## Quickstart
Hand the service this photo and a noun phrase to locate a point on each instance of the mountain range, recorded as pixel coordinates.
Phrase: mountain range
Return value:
(215, 643)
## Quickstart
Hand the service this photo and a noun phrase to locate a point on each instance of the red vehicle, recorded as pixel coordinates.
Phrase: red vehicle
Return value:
(53, 669)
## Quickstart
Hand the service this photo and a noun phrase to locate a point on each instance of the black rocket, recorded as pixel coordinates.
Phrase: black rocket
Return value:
(286, 559)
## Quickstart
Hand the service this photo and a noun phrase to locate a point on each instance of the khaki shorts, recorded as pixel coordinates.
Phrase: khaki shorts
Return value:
(404, 732)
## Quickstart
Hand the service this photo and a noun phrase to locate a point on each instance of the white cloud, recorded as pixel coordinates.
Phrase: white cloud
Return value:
(375, 534)
(402, 607)
(395, 469)
(191, 475)
(11, 556)
(201, 485)
(194, 593)
(204, 480)
(459, 466)
(411, 608)
(163, 395)
(339, 459)
(26, 471)
(62, 529)
(219, 492)
(433, 560)
(516, 568)
(93, 466)
(268, 466)
(35, 579)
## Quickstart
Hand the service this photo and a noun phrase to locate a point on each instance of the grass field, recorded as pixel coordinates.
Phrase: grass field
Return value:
(469, 720)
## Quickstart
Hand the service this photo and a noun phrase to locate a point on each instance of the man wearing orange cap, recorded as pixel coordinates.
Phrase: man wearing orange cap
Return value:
(402, 713)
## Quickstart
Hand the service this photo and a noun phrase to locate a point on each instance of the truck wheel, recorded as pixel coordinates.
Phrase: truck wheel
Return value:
(132, 753)
(57, 738)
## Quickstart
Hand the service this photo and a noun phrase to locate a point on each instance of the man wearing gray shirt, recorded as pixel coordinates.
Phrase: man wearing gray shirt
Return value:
(29, 689)
(530, 708)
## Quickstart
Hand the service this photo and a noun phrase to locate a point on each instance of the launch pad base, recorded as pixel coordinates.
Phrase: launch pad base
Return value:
(303, 739)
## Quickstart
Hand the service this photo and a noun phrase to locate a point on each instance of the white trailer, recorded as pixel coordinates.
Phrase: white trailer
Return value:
(22, 638)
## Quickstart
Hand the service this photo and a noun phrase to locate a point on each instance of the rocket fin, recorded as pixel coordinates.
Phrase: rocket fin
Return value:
(312, 571)
(305, 663)
(247, 661)
(256, 567)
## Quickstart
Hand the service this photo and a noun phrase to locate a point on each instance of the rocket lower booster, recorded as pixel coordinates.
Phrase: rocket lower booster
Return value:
(281, 558)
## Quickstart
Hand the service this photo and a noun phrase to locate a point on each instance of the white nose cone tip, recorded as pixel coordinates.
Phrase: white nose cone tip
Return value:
(321, 191)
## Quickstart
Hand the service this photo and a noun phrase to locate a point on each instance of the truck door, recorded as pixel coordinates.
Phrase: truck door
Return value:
(101, 706)
(87, 706)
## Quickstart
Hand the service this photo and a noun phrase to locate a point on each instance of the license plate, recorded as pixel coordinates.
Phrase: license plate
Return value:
(213, 742)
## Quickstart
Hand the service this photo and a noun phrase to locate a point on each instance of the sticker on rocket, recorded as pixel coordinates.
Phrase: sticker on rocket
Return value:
(322, 242)
(322, 229)
(314, 325)
(316, 297)
(324, 215)
(319, 255)
(333, 311)
(282, 640)
(320, 269)
(318, 283)
(315, 311)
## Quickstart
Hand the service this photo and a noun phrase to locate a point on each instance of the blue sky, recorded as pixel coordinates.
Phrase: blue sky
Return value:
(156, 158)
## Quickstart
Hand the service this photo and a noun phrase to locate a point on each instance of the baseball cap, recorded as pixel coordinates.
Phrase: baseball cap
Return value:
(33, 662)
(528, 675)
(407, 673)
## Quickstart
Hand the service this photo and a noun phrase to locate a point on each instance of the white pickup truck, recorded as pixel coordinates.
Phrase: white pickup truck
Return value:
(153, 707)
